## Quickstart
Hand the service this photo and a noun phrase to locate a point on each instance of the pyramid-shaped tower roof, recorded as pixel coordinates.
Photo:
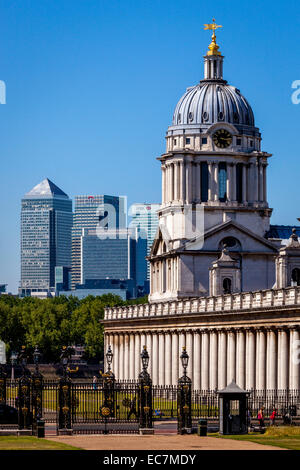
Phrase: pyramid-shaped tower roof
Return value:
(45, 189)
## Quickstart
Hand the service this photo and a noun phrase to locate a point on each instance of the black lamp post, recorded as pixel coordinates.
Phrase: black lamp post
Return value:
(23, 359)
(184, 360)
(64, 358)
(36, 359)
(145, 360)
(109, 357)
(13, 360)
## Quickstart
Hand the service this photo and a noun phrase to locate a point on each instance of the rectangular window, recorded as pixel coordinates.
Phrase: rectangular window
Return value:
(239, 182)
(204, 140)
(222, 182)
(251, 143)
(238, 141)
(204, 182)
(175, 141)
(187, 141)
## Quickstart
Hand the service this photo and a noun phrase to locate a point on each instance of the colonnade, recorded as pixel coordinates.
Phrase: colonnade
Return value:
(258, 357)
(181, 181)
(164, 275)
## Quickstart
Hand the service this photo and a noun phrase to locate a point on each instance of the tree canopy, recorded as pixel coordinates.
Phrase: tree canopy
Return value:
(56, 322)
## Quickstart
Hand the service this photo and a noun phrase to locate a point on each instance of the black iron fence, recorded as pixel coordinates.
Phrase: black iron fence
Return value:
(87, 399)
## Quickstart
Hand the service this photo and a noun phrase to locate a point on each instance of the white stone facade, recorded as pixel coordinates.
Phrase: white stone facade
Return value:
(229, 294)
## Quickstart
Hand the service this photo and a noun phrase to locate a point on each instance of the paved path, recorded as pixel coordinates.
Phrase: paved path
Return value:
(157, 442)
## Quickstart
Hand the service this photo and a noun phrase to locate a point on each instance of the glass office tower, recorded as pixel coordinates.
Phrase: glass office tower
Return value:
(144, 217)
(102, 211)
(46, 228)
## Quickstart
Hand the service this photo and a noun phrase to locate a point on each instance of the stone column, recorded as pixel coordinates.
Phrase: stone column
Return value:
(261, 182)
(283, 359)
(182, 182)
(197, 359)
(115, 350)
(131, 357)
(261, 363)
(121, 356)
(155, 358)
(231, 352)
(149, 349)
(271, 360)
(175, 359)
(161, 352)
(216, 181)
(163, 190)
(176, 195)
(229, 182)
(137, 352)
(222, 359)
(126, 356)
(189, 350)
(294, 357)
(265, 182)
(240, 358)
(250, 359)
(205, 360)
(171, 182)
(213, 360)
(210, 182)
(233, 185)
(168, 359)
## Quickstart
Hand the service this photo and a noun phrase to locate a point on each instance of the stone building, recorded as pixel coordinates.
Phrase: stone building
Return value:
(224, 282)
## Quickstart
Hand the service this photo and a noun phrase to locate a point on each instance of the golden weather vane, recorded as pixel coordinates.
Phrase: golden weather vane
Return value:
(213, 47)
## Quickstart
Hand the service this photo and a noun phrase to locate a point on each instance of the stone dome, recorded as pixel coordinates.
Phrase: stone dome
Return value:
(210, 102)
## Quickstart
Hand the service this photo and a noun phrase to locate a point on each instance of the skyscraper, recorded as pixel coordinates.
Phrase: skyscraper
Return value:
(91, 212)
(145, 219)
(46, 227)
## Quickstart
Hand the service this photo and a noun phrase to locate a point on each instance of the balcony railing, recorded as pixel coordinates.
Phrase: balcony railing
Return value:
(288, 296)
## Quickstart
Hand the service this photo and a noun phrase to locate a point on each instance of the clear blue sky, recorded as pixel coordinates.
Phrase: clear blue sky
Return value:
(92, 84)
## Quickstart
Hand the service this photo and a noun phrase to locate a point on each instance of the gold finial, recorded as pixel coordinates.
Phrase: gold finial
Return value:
(213, 47)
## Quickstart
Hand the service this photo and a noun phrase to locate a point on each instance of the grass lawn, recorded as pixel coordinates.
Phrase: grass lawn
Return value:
(287, 437)
(31, 443)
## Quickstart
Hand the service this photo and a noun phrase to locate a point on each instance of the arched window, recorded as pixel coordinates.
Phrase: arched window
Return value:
(227, 285)
(296, 277)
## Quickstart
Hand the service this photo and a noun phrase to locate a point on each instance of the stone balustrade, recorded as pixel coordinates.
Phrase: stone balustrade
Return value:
(289, 296)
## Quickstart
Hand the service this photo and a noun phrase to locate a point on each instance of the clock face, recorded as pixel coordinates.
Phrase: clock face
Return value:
(222, 138)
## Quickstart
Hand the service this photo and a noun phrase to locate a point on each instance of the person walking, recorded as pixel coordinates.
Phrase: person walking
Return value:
(272, 417)
(261, 417)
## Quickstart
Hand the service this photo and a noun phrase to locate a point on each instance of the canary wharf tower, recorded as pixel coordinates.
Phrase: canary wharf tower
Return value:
(231, 294)
(46, 224)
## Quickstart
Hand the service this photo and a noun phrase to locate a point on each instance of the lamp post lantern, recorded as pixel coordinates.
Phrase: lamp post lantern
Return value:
(184, 360)
(109, 357)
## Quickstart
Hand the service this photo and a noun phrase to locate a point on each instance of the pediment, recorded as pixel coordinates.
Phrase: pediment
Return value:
(213, 237)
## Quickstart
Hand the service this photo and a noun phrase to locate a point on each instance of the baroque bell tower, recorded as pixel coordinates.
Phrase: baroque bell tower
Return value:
(213, 170)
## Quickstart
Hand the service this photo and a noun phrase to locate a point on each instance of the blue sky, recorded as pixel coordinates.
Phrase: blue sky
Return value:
(92, 85)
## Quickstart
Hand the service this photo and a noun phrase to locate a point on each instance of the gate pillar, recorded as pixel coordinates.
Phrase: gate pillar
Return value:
(37, 391)
(24, 394)
(65, 395)
(145, 397)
